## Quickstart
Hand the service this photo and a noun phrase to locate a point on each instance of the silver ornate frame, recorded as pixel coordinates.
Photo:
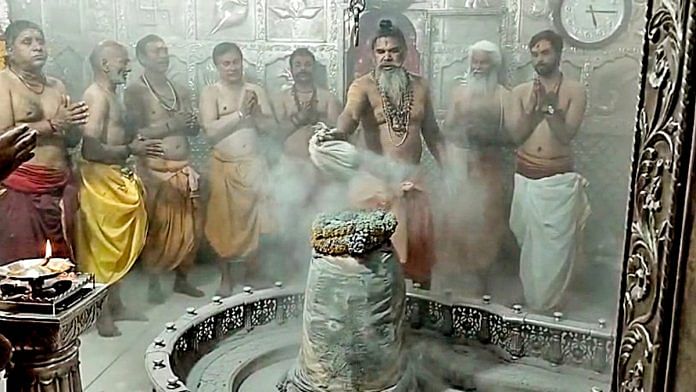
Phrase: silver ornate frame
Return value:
(657, 235)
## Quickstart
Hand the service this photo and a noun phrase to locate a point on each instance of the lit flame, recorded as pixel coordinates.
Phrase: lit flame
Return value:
(49, 251)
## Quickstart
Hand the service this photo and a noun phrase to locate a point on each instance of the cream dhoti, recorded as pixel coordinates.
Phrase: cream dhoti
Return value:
(239, 205)
(547, 218)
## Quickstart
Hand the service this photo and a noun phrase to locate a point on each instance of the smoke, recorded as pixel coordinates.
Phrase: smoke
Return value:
(437, 366)
(301, 191)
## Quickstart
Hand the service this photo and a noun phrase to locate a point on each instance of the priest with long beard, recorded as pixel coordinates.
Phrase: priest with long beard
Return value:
(475, 224)
(395, 110)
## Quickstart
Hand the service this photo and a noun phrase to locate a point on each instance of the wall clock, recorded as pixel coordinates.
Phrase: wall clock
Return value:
(591, 23)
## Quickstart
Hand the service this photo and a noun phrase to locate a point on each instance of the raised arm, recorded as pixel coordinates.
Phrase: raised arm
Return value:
(356, 103)
(286, 126)
(525, 114)
(263, 112)
(215, 126)
(63, 122)
(333, 110)
(75, 115)
(565, 124)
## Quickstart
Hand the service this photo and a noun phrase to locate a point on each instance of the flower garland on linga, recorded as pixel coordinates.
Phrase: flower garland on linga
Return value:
(352, 233)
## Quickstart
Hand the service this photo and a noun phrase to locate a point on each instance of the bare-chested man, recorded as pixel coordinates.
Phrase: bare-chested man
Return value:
(476, 219)
(233, 112)
(112, 222)
(549, 206)
(160, 109)
(303, 105)
(39, 197)
(296, 181)
(395, 109)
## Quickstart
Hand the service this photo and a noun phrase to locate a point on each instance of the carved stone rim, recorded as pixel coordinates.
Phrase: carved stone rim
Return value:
(520, 326)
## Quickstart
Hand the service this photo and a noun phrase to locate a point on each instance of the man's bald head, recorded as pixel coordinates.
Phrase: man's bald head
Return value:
(102, 51)
(111, 59)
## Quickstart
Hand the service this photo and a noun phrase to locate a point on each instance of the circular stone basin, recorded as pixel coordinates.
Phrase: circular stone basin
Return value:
(248, 341)
(256, 361)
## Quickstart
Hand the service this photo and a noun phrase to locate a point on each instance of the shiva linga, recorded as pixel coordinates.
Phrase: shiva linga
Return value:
(44, 307)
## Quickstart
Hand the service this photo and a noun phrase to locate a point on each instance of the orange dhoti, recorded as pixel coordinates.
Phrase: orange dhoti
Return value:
(174, 215)
(239, 208)
(414, 239)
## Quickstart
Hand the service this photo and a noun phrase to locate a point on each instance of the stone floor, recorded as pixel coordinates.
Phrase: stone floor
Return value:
(116, 364)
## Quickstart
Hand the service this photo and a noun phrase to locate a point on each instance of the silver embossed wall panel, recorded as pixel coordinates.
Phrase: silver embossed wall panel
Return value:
(297, 20)
(267, 31)
(451, 33)
(236, 20)
(166, 18)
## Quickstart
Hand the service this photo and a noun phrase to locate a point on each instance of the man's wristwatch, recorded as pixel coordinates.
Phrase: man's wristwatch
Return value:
(550, 110)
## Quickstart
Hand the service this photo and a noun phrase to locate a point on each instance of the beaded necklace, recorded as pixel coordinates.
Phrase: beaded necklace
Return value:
(170, 108)
(312, 101)
(398, 117)
(30, 85)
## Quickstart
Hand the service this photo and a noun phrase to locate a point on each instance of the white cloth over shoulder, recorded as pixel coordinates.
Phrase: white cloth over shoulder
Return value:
(547, 218)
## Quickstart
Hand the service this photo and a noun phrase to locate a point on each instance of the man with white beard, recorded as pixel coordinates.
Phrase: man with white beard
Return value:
(474, 231)
(395, 110)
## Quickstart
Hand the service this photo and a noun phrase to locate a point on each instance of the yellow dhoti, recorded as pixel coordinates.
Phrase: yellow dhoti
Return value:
(173, 211)
(239, 209)
(112, 222)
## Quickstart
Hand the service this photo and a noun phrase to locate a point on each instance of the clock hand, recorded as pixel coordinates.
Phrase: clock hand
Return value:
(594, 18)
(594, 11)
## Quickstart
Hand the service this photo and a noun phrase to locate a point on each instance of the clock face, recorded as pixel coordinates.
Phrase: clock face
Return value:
(592, 21)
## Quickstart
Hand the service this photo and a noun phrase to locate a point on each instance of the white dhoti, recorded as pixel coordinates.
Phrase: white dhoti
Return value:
(547, 218)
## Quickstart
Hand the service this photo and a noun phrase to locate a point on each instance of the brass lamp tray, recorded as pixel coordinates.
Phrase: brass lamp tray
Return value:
(36, 269)
(69, 289)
